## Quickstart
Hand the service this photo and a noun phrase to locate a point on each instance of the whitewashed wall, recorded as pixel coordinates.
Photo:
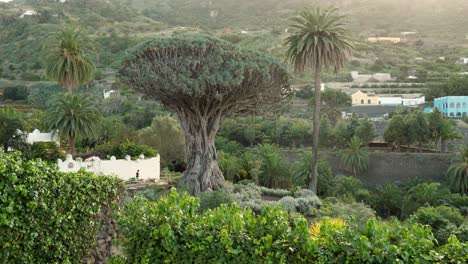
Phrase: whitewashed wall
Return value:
(414, 101)
(390, 100)
(38, 136)
(122, 168)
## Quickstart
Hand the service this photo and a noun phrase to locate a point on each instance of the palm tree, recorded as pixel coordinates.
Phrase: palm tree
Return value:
(74, 116)
(319, 41)
(458, 173)
(68, 60)
(356, 157)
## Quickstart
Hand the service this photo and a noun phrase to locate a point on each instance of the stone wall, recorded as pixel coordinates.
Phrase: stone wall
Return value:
(107, 231)
(396, 167)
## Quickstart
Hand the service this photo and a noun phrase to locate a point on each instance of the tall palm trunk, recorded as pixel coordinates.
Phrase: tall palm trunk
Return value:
(71, 144)
(316, 129)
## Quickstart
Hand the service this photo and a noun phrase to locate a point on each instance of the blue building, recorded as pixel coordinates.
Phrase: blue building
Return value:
(452, 106)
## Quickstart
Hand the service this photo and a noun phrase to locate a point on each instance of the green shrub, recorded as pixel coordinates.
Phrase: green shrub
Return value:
(132, 149)
(173, 230)
(350, 211)
(47, 216)
(19, 92)
(443, 220)
(349, 187)
(48, 151)
(211, 200)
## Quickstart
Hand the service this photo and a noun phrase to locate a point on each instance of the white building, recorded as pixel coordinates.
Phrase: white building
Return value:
(390, 100)
(125, 169)
(414, 101)
(38, 136)
(464, 60)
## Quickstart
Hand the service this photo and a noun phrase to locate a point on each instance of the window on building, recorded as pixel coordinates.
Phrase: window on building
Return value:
(464, 114)
(362, 101)
(368, 101)
(452, 114)
(452, 105)
(458, 114)
(380, 102)
(458, 105)
(464, 105)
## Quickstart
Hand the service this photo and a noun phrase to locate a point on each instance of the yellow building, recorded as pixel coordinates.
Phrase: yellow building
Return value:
(360, 98)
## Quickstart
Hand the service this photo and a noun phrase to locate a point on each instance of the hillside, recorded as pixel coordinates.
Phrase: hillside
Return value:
(116, 25)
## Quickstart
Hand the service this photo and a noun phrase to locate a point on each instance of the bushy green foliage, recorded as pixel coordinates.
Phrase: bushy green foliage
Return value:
(404, 199)
(10, 122)
(250, 131)
(47, 216)
(132, 149)
(349, 187)
(41, 93)
(173, 230)
(47, 151)
(165, 135)
(211, 200)
(443, 220)
(19, 92)
(349, 210)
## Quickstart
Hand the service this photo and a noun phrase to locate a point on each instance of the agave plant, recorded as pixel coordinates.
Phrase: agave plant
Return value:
(355, 158)
(458, 173)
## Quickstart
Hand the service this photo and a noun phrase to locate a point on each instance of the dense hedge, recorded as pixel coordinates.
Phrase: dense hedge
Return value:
(47, 216)
(173, 230)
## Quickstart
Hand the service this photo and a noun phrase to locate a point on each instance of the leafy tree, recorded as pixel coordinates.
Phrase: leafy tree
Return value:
(365, 131)
(68, 61)
(424, 194)
(441, 219)
(319, 41)
(355, 158)
(41, 93)
(326, 133)
(458, 174)
(19, 92)
(74, 116)
(455, 86)
(349, 187)
(396, 131)
(435, 120)
(165, 135)
(387, 200)
(10, 122)
(418, 128)
(204, 79)
(231, 166)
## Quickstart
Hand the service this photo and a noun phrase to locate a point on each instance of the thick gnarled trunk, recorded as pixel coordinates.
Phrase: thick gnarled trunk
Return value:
(203, 173)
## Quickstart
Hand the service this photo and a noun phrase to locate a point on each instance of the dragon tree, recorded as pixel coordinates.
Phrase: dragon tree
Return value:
(204, 80)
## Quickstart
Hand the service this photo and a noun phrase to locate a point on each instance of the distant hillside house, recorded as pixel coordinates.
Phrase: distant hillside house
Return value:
(361, 78)
(464, 60)
(384, 40)
(452, 106)
(360, 98)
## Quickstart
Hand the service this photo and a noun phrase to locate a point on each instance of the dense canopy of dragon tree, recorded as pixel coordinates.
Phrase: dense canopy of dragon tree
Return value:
(204, 80)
